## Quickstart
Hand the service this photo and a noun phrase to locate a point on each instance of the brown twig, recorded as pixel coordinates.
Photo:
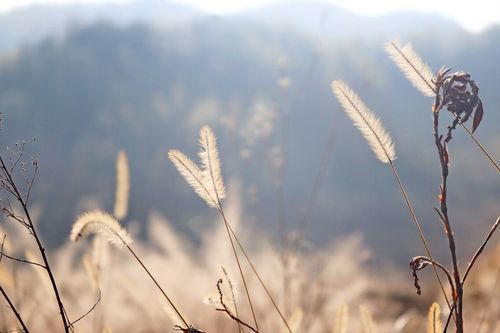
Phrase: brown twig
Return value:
(480, 249)
(271, 298)
(419, 228)
(226, 310)
(89, 311)
(3, 254)
(475, 257)
(11, 304)
(16, 313)
(444, 160)
(419, 262)
(31, 227)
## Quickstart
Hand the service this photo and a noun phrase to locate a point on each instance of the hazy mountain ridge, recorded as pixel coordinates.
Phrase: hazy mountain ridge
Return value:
(32, 24)
(104, 88)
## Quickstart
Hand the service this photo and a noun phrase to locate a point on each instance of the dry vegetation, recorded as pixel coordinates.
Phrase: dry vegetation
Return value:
(235, 278)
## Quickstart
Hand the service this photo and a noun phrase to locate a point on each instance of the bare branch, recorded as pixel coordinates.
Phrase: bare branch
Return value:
(226, 310)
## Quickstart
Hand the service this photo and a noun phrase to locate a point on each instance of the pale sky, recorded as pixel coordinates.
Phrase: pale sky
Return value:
(474, 15)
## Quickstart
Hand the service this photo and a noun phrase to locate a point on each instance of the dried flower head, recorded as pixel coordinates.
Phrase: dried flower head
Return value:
(460, 96)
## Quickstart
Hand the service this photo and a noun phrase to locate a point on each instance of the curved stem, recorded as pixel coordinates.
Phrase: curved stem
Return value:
(481, 248)
(444, 269)
(157, 285)
(419, 229)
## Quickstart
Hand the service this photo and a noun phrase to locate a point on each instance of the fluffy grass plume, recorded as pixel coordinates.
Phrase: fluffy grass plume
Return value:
(370, 126)
(434, 324)
(122, 186)
(412, 66)
(98, 222)
(193, 175)
(206, 181)
(367, 320)
(209, 156)
(341, 319)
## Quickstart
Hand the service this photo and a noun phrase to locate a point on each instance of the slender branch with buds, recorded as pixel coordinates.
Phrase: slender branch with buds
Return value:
(9, 184)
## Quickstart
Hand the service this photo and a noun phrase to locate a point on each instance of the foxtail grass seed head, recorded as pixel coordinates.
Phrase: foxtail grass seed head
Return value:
(434, 324)
(122, 186)
(209, 157)
(206, 180)
(412, 66)
(369, 125)
(193, 176)
(100, 223)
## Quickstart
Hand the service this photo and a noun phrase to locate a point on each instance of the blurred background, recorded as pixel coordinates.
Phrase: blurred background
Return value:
(82, 80)
(88, 78)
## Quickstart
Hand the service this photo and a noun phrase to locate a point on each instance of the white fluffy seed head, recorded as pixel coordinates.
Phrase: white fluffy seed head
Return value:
(369, 125)
(412, 66)
(99, 222)
(206, 180)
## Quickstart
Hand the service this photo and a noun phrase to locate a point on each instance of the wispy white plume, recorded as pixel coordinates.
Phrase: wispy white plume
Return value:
(370, 126)
(341, 319)
(98, 222)
(207, 181)
(193, 175)
(122, 186)
(412, 66)
(209, 156)
(434, 323)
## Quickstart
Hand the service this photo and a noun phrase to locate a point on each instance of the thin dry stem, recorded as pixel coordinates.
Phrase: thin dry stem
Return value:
(442, 152)
(157, 285)
(271, 298)
(480, 249)
(419, 229)
(485, 152)
(228, 312)
(31, 227)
